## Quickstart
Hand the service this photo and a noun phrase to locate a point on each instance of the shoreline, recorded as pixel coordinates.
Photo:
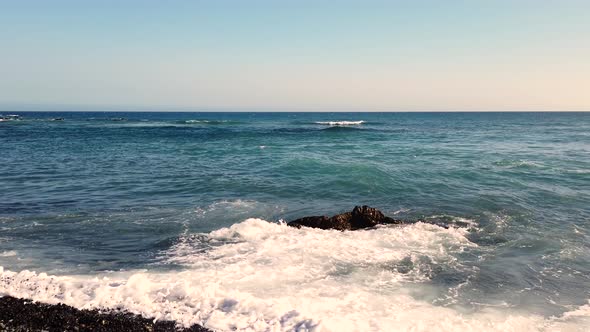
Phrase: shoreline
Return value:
(20, 315)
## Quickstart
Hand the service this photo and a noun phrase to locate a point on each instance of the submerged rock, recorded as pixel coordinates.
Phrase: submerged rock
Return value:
(360, 217)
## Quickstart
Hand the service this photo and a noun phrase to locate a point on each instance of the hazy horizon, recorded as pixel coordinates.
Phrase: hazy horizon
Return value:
(122, 109)
(398, 56)
(4, 108)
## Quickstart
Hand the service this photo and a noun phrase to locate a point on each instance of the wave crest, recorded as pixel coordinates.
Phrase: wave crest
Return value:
(340, 123)
(211, 122)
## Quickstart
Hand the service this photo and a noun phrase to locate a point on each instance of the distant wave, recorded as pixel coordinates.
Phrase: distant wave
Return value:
(517, 164)
(9, 253)
(340, 123)
(113, 119)
(171, 123)
(343, 128)
(210, 122)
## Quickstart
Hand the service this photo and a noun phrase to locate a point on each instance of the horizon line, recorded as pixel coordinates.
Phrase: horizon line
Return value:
(22, 107)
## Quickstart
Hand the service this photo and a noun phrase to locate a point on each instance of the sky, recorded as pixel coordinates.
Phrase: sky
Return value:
(417, 55)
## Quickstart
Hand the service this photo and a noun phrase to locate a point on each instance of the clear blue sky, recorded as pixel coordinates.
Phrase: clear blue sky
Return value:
(313, 55)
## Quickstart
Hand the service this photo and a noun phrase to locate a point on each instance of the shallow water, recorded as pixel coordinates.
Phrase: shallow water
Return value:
(152, 212)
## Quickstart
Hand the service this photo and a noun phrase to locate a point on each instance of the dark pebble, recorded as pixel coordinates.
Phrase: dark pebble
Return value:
(20, 315)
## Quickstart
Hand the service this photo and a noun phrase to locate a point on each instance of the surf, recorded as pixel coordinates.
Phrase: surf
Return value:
(259, 276)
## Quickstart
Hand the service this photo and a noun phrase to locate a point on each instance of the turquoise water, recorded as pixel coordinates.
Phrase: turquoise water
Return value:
(111, 193)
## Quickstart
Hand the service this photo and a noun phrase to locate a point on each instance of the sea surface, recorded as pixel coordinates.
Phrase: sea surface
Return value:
(181, 216)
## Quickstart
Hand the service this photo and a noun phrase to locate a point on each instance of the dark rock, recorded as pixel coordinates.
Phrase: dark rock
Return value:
(25, 315)
(360, 217)
(313, 221)
(364, 216)
(341, 221)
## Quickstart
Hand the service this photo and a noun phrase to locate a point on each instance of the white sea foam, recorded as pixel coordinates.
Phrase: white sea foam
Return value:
(210, 121)
(578, 171)
(197, 121)
(454, 221)
(402, 210)
(261, 276)
(9, 253)
(340, 123)
(205, 121)
(518, 164)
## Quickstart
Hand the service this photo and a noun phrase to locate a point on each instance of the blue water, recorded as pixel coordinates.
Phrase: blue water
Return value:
(99, 192)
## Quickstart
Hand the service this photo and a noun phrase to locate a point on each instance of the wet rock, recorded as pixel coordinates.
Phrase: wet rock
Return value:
(341, 221)
(25, 315)
(322, 222)
(360, 217)
(365, 216)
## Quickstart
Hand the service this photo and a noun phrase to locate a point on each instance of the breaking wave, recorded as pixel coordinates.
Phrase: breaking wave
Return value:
(340, 123)
(263, 276)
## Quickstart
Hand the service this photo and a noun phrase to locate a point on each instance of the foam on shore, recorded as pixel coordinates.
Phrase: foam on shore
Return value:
(263, 276)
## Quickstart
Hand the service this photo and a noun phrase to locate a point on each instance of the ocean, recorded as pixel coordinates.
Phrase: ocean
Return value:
(180, 216)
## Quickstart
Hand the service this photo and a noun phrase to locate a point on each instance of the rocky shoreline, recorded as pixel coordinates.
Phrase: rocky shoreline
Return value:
(20, 315)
